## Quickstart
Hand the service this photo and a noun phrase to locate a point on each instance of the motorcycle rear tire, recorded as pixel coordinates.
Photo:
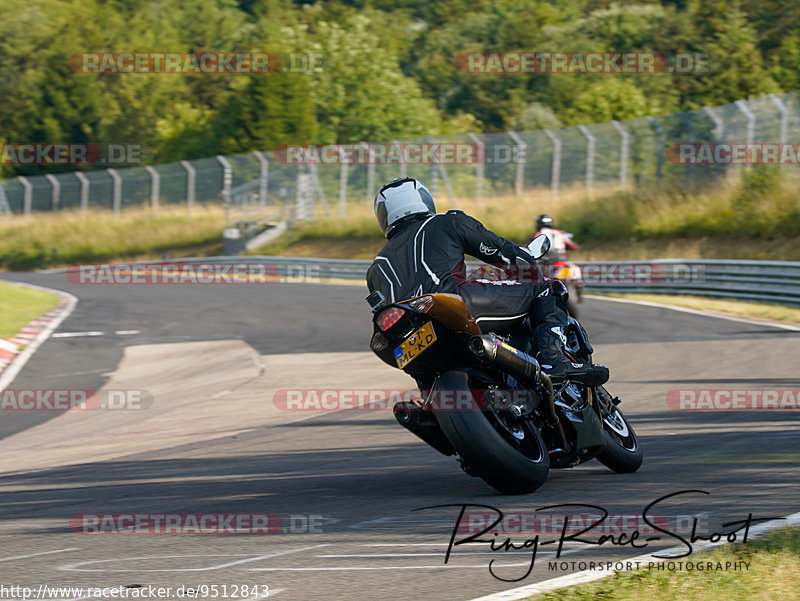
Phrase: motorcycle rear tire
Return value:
(485, 444)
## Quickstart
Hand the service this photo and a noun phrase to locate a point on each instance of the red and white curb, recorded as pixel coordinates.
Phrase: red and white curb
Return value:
(15, 351)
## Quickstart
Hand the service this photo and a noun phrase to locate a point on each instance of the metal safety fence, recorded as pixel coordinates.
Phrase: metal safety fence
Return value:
(281, 185)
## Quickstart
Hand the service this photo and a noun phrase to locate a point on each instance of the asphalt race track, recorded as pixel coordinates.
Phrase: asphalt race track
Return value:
(343, 486)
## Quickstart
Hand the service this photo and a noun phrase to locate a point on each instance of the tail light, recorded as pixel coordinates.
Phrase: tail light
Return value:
(388, 317)
(422, 304)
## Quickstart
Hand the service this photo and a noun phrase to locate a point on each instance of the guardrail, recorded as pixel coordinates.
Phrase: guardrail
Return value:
(771, 281)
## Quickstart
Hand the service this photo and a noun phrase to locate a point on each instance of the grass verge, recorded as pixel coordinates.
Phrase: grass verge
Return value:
(20, 305)
(763, 311)
(756, 216)
(71, 237)
(773, 573)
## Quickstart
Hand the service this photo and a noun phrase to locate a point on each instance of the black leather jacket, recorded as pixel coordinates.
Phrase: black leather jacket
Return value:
(427, 255)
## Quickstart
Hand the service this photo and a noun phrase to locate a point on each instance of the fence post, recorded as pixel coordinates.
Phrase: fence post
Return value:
(659, 144)
(437, 165)
(781, 106)
(751, 119)
(27, 195)
(191, 176)
(117, 193)
(719, 131)
(434, 187)
(227, 180)
(751, 123)
(370, 171)
(590, 141)
(555, 169)
(304, 194)
(84, 190)
(690, 130)
(343, 174)
(318, 188)
(403, 165)
(479, 168)
(263, 182)
(719, 124)
(521, 159)
(4, 208)
(56, 190)
(155, 188)
(624, 152)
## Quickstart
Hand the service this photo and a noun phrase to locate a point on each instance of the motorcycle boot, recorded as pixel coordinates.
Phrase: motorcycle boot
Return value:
(549, 340)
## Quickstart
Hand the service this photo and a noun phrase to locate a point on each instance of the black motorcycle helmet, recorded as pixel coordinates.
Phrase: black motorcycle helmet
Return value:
(544, 221)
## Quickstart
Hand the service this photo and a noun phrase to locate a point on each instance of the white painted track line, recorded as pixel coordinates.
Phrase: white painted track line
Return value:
(771, 324)
(363, 568)
(77, 334)
(441, 566)
(76, 567)
(459, 553)
(94, 333)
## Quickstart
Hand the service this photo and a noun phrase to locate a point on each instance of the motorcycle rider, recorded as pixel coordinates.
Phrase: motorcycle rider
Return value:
(425, 254)
(559, 240)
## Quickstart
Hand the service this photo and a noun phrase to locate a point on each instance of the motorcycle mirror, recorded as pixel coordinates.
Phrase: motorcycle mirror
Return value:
(539, 246)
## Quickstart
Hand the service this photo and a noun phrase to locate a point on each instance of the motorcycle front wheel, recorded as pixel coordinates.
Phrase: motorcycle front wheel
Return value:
(622, 452)
(574, 300)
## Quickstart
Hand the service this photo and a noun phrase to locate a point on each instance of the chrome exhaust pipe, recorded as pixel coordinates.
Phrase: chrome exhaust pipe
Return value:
(523, 367)
(492, 351)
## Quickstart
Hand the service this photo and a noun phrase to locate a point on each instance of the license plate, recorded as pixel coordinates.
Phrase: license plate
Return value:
(414, 345)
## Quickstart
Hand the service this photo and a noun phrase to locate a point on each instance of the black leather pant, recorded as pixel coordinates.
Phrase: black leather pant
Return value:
(502, 306)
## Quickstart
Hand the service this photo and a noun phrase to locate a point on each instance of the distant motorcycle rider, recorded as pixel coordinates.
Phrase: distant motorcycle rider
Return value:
(560, 242)
(425, 254)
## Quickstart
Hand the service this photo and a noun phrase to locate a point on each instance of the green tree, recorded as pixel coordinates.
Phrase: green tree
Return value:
(608, 99)
(499, 26)
(720, 29)
(360, 92)
(269, 110)
(536, 116)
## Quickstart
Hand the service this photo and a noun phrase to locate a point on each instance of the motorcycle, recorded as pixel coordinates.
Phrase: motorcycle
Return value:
(487, 401)
(568, 272)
